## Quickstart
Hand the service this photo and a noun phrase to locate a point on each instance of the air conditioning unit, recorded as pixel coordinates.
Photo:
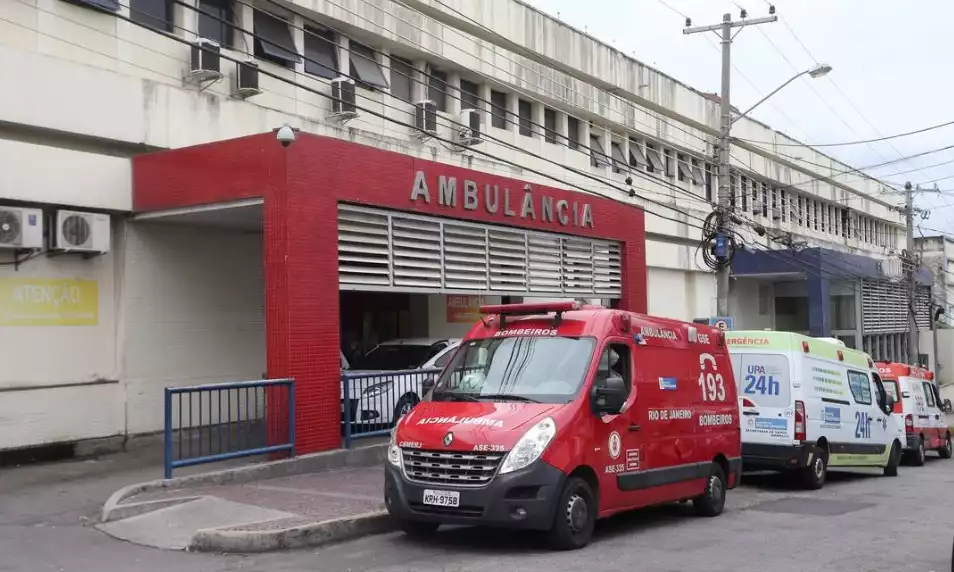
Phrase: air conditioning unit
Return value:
(205, 62)
(21, 228)
(343, 105)
(82, 232)
(246, 79)
(425, 118)
(469, 127)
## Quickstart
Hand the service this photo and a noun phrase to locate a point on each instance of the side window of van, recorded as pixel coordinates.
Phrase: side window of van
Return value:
(860, 387)
(929, 392)
(615, 362)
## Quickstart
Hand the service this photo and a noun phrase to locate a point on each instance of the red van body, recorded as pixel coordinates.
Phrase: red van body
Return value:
(528, 426)
(918, 402)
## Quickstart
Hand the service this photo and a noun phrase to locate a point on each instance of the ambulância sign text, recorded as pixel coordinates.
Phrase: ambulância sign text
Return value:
(527, 204)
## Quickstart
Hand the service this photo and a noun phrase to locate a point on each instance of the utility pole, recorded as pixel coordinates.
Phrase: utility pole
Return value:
(724, 207)
(911, 267)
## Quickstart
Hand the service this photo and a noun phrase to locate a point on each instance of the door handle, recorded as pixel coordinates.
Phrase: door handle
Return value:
(750, 413)
(878, 420)
(634, 427)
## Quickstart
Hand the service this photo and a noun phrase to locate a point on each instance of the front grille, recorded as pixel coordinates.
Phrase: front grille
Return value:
(450, 467)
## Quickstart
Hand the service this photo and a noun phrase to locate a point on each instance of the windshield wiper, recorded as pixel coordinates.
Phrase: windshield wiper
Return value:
(456, 394)
(508, 396)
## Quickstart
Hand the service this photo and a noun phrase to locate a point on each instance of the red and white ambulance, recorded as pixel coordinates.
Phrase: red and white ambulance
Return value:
(918, 402)
(552, 415)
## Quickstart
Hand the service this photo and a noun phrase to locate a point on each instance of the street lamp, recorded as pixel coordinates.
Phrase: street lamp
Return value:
(818, 71)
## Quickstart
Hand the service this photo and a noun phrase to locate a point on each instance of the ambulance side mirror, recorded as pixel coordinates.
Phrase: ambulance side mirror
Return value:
(888, 404)
(608, 396)
(946, 406)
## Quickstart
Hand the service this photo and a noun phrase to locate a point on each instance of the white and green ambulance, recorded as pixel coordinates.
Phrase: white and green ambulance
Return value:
(807, 404)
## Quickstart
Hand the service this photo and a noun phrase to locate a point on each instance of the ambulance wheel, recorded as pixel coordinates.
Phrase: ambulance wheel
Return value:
(917, 459)
(712, 501)
(945, 451)
(575, 516)
(814, 475)
(416, 529)
(404, 406)
(891, 470)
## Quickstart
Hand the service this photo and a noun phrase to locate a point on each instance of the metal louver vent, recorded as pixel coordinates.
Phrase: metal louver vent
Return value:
(884, 307)
(76, 230)
(378, 249)
(10, 230)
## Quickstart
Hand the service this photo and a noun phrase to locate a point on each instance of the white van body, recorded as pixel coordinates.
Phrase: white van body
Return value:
(808, 404)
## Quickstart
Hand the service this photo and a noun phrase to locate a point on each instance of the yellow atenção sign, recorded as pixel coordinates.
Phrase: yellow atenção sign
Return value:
(48, 302)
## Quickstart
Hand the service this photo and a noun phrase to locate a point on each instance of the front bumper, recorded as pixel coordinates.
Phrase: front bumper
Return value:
(535, 489)
(759, 456)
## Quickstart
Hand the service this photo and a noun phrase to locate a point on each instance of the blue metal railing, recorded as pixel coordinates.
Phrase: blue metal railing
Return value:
(376, 401)
(209, 423)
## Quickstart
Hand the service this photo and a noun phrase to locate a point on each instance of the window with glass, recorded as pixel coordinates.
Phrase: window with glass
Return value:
(537, 369)
(469, 98)
(929, 394)
(860, 387)
(365, 67)
(321, 53)
(402, 72)
(215, 21)
(273, 40)
(396, 357)
(550, 125)
(153, 13)
(437, 89)
(498, 109)
(573, 132)
(525, 111)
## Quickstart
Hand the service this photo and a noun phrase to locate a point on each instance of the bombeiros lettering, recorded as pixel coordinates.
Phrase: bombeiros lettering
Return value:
(714, 419)
(525, 332)
(532, 205)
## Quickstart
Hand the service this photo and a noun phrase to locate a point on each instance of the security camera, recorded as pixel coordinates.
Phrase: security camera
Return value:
(285, 135)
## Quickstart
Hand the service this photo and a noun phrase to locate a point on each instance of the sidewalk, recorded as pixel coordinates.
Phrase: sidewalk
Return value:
(258, 508)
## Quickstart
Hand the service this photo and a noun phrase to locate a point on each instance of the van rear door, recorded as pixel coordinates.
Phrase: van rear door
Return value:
(765, 393)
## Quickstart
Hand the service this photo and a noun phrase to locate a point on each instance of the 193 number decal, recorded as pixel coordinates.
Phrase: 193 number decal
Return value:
(712, 384)
(762, 384)
(862, 425)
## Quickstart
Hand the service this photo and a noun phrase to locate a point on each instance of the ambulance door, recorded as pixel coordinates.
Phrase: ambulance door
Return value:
(869, 442)
(765, 391)
(933, 433)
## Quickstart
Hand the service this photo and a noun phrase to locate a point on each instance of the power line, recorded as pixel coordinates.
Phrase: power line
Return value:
(849, 143)
(390, 119)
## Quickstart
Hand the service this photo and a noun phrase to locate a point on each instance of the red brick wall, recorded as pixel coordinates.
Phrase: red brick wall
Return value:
(302, 186)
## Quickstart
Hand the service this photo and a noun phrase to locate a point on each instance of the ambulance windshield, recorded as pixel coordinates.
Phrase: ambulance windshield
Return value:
(540, 369)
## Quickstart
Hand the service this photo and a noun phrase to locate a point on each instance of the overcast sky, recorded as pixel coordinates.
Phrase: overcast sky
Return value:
(892, 61)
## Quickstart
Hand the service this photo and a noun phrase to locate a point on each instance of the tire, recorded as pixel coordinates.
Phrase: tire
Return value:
(404, 406)
(712, 502)
(575, 516)
(416, 529)
(946, 450)
(813, 476)
(891, 470)
(917, 458)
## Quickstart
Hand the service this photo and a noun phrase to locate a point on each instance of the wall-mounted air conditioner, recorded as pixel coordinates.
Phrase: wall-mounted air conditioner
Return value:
(205, 61)
(425, 118)
(82, 232)
(246, 79)
(21, 228)
(343, 103)
(468, 130)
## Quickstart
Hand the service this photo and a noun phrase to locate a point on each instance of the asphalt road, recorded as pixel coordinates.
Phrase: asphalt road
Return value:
(856, 523)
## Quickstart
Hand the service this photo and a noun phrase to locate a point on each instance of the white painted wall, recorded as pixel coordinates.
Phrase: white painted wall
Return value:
(193, 313)
(40, 173)
(751, 304)
(35, 357)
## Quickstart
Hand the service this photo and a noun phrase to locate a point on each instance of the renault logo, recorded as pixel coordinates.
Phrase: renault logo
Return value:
(448, 439)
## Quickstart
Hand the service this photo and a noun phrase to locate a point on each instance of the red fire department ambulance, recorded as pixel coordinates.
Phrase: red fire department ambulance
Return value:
(550, 416)
(919, 403)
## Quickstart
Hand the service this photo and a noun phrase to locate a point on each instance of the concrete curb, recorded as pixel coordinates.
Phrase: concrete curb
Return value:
(313, 463)
(316, 534)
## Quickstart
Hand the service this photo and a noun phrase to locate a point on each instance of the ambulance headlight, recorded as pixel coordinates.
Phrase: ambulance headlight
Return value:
(394, 452)
(529, 448)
